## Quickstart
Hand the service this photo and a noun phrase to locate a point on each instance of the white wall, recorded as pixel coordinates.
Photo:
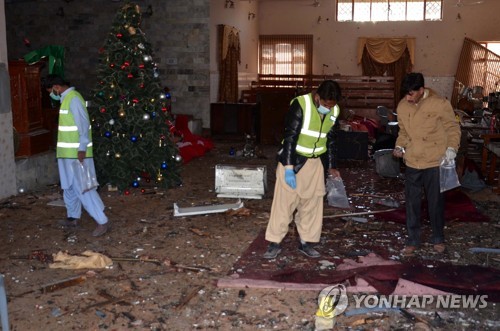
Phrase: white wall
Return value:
(438, 44)
(7, 163)
(249, 38)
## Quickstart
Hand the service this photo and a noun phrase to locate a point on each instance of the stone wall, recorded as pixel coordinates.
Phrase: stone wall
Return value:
(178, 31)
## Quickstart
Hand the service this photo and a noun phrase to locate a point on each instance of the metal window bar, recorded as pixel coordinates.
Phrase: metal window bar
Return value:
(477, 66)
(389, 10)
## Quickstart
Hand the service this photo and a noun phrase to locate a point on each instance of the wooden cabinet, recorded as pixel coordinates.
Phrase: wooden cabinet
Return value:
(234, 119)
(27, 114)
(274, 106)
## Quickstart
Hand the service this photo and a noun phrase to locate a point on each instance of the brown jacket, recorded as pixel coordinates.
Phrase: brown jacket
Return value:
(426, 129)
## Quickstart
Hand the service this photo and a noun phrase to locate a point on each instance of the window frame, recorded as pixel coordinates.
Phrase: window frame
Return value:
(305, 41)
(406, 2)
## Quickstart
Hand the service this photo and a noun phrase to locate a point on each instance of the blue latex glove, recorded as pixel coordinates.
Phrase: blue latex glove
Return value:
(290, 178)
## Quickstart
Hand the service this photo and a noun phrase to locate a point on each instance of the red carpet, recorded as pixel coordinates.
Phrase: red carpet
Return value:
(383, 236)
(458, 207)
(295, 271)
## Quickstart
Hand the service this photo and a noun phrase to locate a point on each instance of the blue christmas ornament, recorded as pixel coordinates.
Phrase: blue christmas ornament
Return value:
(107, 134)
(135, 183)
(133, 139)
(153, 114)
(167, 95)
(164, 165)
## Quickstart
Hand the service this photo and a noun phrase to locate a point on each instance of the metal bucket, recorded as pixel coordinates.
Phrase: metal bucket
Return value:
(393, 128)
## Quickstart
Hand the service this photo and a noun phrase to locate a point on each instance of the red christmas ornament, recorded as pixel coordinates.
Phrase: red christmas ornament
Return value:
(141, 65)
(112, 65)
(119, 35)
(164, 109)
(130, 76)
(102, 110)
(127, 192)
(141, 85)
(135, 100)
(143, 190)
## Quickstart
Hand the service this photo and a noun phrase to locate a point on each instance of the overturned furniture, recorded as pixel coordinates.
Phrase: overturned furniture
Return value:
(248, 181)
(489, 157)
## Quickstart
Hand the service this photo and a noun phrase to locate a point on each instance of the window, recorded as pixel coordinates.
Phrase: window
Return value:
(478, 66)
(493, 46)
(389, 10)
(285, 54)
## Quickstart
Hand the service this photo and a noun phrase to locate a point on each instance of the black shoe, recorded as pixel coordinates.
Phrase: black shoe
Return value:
(101, 229)
(308, 250)
(70, 222)
(272, 251)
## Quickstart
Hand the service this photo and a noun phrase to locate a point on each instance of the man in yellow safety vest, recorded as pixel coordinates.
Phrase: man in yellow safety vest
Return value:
(307, 147)
(74, 153)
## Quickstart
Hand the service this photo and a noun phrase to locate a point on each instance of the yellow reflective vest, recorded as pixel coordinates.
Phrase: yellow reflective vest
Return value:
(313, 134)
(68, 138)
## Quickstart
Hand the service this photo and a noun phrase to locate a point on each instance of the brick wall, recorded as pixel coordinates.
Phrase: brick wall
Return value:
(178, 30)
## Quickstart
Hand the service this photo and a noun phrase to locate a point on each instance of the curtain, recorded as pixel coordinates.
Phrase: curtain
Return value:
(285, 54)
(387, 57)
(229, 57)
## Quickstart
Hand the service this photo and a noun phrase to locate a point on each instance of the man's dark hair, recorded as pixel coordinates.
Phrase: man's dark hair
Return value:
(329, 90)
(412, 82)
(50, 80)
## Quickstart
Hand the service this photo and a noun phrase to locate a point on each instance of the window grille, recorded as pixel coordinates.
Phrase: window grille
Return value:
(389, 10)
(285, 54)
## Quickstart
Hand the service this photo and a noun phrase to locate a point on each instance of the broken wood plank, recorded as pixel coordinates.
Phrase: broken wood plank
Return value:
(52, 287)
(98, 304)
(188, 297)
(165, 262)
(106, 295)
(133, 259)
(202, 210)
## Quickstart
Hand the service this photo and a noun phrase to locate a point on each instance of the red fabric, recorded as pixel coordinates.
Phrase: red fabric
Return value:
(458, 207)
(365, 125)
(293, 267)
(192, 145)
(458, 279)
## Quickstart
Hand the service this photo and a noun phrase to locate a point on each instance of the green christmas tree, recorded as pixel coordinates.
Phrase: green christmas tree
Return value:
(130, 112)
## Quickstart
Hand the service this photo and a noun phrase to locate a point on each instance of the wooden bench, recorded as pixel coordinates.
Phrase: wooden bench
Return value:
(360, 94)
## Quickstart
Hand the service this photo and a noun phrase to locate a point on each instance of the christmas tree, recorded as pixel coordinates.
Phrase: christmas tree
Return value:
(132, 125)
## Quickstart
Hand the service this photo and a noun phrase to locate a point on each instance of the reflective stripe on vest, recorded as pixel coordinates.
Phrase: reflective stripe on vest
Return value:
(313, 134)
(68, 138)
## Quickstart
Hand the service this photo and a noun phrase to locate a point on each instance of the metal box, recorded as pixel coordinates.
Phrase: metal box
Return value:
(249, 182)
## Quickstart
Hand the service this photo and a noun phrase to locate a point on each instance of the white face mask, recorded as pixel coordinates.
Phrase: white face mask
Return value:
(54, 96)
(323, 110)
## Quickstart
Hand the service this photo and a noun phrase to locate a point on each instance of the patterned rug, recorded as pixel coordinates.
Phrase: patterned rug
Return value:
(349, 234)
